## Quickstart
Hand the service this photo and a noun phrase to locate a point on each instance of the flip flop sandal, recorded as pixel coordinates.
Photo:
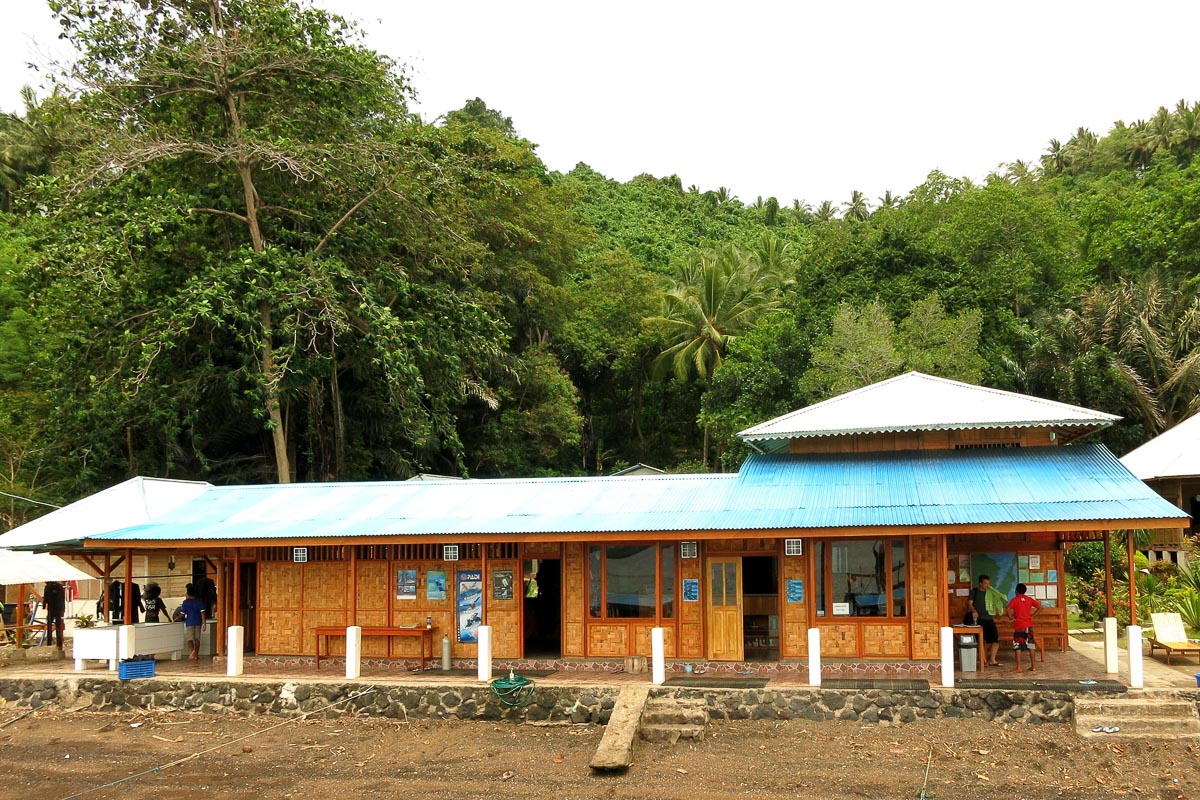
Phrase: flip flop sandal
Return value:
(1112, 729)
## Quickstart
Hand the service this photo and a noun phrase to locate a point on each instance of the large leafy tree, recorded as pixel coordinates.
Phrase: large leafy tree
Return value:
(267, 227)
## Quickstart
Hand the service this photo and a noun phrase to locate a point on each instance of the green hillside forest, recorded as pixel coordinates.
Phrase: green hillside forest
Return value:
(231, 252)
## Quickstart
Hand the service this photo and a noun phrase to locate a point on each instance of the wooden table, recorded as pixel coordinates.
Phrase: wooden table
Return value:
(425, 634)
(977, 631)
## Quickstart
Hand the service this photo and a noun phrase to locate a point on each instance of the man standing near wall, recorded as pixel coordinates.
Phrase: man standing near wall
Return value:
(981, 616)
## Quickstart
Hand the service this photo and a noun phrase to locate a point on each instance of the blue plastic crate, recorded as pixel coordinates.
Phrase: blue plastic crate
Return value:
(128, 670)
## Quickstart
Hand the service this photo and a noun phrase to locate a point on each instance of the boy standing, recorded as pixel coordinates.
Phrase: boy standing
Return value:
(1022, 609)
(193, 622)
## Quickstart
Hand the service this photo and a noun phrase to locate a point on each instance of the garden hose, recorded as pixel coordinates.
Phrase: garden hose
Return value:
(513, 691)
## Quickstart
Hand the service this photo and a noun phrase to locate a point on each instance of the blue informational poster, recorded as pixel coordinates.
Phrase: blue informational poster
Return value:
(435, 585)
(468, 605)
(795, 591)
(406, 584)
(691, 590)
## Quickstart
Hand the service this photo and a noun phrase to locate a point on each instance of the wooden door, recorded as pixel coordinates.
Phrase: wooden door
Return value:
(725, 609)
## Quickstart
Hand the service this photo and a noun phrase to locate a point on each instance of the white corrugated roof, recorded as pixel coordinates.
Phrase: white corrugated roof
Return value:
(129, 503)
(1174, 453)
(918, 402)
(18, 568)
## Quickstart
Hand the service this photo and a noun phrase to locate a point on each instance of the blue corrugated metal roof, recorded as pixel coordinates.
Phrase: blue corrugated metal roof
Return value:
(948, 487)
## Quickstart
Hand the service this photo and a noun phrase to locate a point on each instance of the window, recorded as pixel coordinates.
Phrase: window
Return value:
(860, 578)
(623, 581)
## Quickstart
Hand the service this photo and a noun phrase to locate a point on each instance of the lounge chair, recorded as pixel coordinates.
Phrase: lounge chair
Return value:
(1169, 635)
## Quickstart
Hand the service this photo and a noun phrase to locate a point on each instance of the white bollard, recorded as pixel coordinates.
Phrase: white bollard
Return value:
(1110, 645)
(658, 669)
(484, 633)
(354, 652)
(814, 656)
(235, 651)
(1136, 678)
(946, 637)
(125, 644)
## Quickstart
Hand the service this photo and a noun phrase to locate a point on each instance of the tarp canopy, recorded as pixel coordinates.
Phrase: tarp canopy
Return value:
(17, 568)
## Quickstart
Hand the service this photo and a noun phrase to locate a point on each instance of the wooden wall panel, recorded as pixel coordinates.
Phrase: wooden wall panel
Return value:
(889, 641)
(279, 631)
(279, 586)
(541, 549)
(691, 615)
(325, 586)
(574, 588)
(926, 583)
(373, 581)
(920, 440)
(839, 641)
(608, 641)
(793, 617)
(504, 615)
(643, 646)
(319, 619)
(713, 546)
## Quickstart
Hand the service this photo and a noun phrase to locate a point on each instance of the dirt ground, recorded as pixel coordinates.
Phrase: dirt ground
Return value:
(60, 754)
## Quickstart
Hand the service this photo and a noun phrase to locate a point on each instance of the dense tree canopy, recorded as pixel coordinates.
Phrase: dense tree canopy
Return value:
(231, 252)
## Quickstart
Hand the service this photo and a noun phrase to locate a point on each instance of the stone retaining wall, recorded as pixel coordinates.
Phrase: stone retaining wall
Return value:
(571, 704)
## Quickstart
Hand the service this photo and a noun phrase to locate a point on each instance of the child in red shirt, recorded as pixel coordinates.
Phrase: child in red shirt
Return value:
(1022, 608)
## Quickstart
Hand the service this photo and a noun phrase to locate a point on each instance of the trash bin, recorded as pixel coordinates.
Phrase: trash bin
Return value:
(968, 652)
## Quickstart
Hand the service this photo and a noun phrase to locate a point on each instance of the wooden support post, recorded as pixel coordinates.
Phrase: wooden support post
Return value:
(1108, 580)
(1132, 578)
(352, 605)
(22, 612)
(127, 610)
(235, 611)
(222, 617)
(104, 591)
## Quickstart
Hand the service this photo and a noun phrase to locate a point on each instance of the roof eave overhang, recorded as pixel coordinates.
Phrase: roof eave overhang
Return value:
(666, 535)
(1083, 428)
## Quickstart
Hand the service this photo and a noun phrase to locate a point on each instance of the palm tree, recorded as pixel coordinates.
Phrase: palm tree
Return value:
(889, 200)
(1055, 160)
(825, 212)
(719, 295)
(1148, 333)
(857, 209)
(26, 146)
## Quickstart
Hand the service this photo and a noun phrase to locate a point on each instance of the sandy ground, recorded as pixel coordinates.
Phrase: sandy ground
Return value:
(59, 754)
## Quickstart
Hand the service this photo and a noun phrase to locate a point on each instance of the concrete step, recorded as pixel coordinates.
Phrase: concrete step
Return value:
(670, 734)
(1137, 718)
(1135, 708)
(668, 711)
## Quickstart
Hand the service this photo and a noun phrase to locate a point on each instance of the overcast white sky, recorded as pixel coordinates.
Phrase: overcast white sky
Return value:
(794, 99)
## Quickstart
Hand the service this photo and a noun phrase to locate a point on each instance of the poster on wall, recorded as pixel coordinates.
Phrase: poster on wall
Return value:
(435, 585)
(502, 584)
(468, 605)
(691, 590)
(406, 584)
(795, 591)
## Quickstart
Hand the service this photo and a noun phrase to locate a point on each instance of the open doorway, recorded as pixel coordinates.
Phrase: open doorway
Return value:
(247, 602)
(543, 608)
(760, 625)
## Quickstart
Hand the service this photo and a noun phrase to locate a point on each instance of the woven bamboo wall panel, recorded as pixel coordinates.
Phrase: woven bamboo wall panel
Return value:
(643, 642)
(724, 545)
(608, 641)
(506, 633)
(926, 641)
(279, 631)
(925, 570)
(372, 591)
(794, 643)
(885, 641)
(374, 646)
(794, 616)
(574, 586)
(320, 619)
(325, 585)
(691, 640)
(279, 586)
(541, 549)
(489, 586)
(839, 641)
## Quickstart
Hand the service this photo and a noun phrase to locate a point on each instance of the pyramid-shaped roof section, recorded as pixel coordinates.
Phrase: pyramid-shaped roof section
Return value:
(1174, 453)
(918, 402)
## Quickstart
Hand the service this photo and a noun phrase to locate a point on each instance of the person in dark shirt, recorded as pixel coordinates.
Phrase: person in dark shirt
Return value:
(983, 618)
(154, 603)
(55, 597)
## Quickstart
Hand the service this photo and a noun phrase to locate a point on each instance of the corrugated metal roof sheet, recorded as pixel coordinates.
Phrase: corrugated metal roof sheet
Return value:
(918, 402)
(1174, 453)
(947, 487)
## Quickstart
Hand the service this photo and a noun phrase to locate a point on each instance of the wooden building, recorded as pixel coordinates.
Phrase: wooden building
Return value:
(1170, 464)
(868, 516)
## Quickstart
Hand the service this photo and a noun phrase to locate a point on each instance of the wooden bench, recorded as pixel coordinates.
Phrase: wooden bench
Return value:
(1169, 636)
(424, 634)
